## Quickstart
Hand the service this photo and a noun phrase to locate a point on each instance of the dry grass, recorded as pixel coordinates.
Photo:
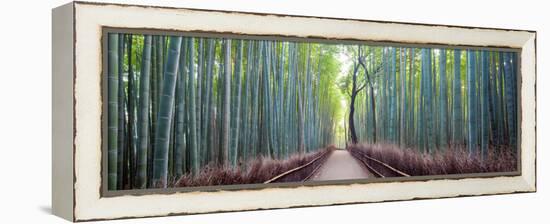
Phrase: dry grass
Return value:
(255, 171)
(451, 161)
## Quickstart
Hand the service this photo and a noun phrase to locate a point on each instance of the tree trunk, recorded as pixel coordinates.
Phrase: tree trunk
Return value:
(353, 135)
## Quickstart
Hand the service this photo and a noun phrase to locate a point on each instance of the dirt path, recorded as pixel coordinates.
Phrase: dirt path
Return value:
(341, 165)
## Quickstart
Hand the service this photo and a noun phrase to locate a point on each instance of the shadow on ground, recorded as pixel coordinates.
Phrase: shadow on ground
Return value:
(45, 209)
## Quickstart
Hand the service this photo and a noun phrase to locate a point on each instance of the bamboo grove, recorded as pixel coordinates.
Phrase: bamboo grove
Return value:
(178, 104)
(432, 99)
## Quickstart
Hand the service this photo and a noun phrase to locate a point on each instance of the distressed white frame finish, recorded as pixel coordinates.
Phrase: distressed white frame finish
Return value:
(85, 135)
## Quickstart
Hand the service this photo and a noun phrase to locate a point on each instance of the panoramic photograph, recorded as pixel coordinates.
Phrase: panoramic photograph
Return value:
(191, 111)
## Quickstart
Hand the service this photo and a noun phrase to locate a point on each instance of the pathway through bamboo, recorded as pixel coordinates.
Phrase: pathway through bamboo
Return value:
(341, 165)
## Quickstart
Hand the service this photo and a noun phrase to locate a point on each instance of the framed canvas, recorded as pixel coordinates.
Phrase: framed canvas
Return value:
(164, 111)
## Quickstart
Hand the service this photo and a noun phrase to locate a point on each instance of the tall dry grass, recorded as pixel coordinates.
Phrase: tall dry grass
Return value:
(255, 171)
(454, 160)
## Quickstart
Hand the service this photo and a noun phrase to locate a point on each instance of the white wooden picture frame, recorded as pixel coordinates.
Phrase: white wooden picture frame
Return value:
(77, 110)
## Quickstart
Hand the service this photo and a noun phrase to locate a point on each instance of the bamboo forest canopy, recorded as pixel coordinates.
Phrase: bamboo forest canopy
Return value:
(177, 104)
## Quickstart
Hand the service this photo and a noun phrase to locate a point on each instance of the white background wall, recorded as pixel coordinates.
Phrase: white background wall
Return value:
(25, 112)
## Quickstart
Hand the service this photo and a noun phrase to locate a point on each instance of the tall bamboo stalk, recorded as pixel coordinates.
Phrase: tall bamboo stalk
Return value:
(164, 121)
(113, 85)
(226, 101)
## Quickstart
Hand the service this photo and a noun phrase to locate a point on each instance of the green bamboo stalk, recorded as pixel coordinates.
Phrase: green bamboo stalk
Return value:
(162, 138)
(219, 105)
(237, 104)
(393, 96)
(289, 106)
(255, 100)
(428, 102)
(274, 97)
(132, 141)
(154, 110)
(472, 115)
(300, 99)
(317, 102)
(403, 111)
(180, 144)
(112, 77)
(457, 102)
(307, 100)
(493, 95)
(385, 96)
(245, 105)
(510, 96)
(208, 131)
(484, 88)
(266, 107)
(281, 93)
(421, 130)
(121, 114)
(412, 93)
(194, 153)
(498, 102)
(143, 113)
(225, 135)
(159, 63)
(199, 103)
(443, 111)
